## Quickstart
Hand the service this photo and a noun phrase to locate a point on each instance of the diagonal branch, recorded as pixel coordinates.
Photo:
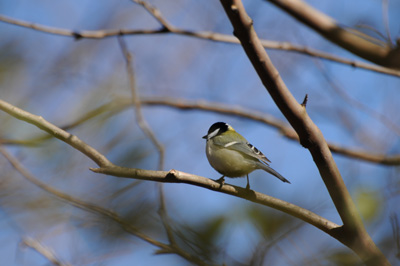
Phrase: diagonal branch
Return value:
(353, 233)
(350, 40)
(43, 250)
(172, 176)
(55, 131)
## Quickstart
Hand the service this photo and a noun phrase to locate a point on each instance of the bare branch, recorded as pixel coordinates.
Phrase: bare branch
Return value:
(57, 132)
(126, 225)
(172, 176)
(353, 233)
(136, 102)
(385, 15)
(383, 119)
(266, 119)
(112, 106)
(350, 40)
(207, 35)
(394, 221)
(162, 212)
(156, 14)
(120, 104)
(44, 251)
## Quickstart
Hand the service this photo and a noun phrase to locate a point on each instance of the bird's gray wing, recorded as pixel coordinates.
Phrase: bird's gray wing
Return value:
(244, 147)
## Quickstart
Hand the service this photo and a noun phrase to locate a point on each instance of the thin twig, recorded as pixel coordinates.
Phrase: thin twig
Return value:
(394, 221)
(386, 121)
(162, 212)
(207, 35)
(385, 15)
(264, 246)
(126, 225)
(136, 102)
(156, 13)
(43, 250)
(268, 44)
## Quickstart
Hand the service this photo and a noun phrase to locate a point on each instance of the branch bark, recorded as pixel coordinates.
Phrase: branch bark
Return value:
(120, 104)
(172, 176)
(91, 207)
(351, 40)
(352, 233)
(206, 35)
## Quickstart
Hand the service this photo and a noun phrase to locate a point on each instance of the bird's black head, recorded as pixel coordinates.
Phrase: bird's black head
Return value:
(216, 129)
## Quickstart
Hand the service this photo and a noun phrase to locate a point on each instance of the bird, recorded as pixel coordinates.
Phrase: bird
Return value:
(230, 154)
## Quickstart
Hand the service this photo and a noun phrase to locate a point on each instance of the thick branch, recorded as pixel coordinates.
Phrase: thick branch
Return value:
(353, 233)
(351, 40)
(172, 176)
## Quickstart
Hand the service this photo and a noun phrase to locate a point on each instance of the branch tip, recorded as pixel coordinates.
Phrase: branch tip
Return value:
(95, 170)
(304, 103)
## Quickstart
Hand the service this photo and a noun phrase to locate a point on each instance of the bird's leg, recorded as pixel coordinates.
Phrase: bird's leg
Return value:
(221, 180)
(248, 183)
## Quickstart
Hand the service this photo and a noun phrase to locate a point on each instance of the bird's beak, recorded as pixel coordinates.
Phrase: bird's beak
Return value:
(205, 137)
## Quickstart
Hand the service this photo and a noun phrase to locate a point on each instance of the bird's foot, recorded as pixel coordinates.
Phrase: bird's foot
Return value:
(221, 180)
(248, 183)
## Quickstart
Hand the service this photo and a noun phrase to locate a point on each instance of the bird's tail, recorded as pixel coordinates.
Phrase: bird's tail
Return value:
(275, 173)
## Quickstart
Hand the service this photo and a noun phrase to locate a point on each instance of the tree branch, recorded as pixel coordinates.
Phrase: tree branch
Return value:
(172, 176)
(207, 35)
(353, 233)
(126, 225)
(55, 131)
(44, 251)
(266, 119)
(120, 104)
(351, 40)
(137, 104)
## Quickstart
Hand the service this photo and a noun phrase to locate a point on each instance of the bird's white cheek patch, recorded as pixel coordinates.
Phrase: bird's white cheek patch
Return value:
(230, 144)
(213, 134)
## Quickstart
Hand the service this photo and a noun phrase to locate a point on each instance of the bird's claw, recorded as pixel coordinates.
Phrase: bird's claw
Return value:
(221, 180)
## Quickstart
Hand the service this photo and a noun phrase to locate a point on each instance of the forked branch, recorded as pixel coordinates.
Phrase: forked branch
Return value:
(353, 233)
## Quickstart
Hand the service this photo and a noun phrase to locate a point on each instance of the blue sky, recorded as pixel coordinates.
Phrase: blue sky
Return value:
(61, 78)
